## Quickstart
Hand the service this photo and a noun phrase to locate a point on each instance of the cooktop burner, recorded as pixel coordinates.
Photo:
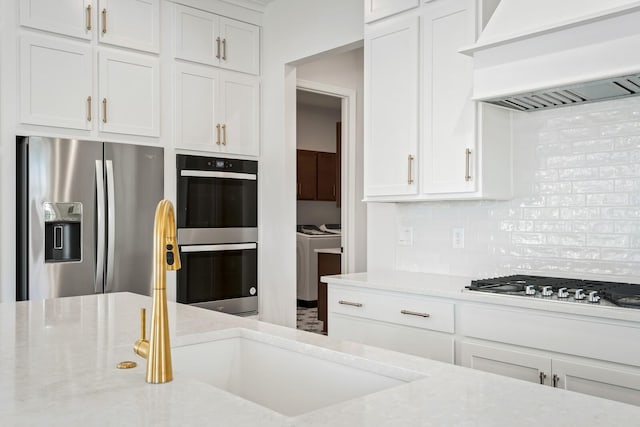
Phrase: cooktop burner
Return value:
(562, 289)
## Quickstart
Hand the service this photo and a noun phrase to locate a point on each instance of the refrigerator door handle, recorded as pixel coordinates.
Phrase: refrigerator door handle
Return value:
(111, 226)
(98, 286)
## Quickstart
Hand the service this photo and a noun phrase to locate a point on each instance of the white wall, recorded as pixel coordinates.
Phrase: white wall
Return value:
(576, 212)
(319, 26)
(346, 70)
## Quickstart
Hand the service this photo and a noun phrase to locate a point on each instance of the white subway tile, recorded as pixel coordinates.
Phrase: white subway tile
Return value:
(593, 186)
(580, 213)
(592, 145)
(608, 240)
(566, 200)
(580, 253)
(566, 161)
(578, 173)
(567, 239)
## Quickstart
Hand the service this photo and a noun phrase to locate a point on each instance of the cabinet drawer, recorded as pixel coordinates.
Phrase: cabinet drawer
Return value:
(413, 311)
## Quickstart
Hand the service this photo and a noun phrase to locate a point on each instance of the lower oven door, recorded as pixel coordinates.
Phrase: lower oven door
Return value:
(220, 277)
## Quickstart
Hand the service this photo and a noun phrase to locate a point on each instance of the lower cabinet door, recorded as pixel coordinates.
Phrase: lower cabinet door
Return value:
(514, 364)
(405, 339)
(602, 380)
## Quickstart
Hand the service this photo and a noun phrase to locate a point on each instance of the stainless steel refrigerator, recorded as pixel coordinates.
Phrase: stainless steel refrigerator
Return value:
(85, 214)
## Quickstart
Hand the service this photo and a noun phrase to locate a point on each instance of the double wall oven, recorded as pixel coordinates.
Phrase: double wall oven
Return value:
(217, 217)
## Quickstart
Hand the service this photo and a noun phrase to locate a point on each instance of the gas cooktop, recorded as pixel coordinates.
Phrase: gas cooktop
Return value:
(562, 289)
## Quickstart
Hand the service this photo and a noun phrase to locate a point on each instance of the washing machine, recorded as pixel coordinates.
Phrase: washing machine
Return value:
(310, 238)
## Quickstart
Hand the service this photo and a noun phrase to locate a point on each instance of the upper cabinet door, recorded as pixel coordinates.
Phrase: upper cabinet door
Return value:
(377, 9)
(449, 131)
(241, 121)
(197, 36)
(215, 40)
(73, 18)
(129, 94)
(55, 83)
(391, 111)
(197, 100)
(130, 23)
(240, 46)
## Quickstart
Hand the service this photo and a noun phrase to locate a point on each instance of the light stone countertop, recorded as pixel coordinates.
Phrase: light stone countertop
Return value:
(58, 358)
(447, 286)
(335, 251)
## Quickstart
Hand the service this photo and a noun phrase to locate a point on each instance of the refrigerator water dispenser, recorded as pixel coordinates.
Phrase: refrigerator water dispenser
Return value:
(63, 232)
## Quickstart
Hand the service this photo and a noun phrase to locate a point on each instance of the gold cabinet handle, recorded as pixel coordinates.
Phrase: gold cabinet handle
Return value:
(88, 17)
(218, 47)
(224, 49)
(88, 108)
(467, 167)
(218, 134)
(104, 110)
(410, 162)
(104, 21)
(415, 313)
(542, 376)
(224, 134)
(353, 304)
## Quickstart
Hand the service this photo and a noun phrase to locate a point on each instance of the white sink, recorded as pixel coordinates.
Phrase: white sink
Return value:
(284, 375)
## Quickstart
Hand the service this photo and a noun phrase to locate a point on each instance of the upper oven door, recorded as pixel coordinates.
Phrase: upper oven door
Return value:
(217, 199)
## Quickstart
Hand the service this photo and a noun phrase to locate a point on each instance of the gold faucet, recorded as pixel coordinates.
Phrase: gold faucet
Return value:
(157, 350)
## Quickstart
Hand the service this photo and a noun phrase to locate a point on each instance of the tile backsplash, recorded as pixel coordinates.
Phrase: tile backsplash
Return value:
(575, 211)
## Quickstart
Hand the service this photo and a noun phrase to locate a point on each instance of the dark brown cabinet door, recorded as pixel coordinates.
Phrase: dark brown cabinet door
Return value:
(326, 176)
(328, 264)
(307, 175)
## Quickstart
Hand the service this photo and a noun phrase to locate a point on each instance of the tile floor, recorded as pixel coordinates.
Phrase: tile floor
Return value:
(308, 320)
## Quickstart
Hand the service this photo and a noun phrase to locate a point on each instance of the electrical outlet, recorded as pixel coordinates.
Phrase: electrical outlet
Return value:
(457, 238)
(405, 236)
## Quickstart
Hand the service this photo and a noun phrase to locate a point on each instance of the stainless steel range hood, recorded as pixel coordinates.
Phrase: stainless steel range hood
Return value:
(534, 55)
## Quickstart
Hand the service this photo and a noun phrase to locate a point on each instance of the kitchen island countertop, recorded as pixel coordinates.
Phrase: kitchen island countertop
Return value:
(58, 368)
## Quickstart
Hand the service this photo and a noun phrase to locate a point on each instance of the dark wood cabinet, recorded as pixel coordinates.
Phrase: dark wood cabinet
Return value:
(328, 264)
(338, 163)
(326, 176)
(307, 173)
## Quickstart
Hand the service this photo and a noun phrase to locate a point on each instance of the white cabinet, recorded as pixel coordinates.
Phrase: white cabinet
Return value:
(466, 145)
(55, 83)
(391, 110)
(130, 23)
(598, 379)
(377, 9)
(129, 92)
(216, 110)
(580, 375)
(215, 40)
(457, 149)
(516, 364)
(401, 322)
(69, 17)
(197, 115)
(240, 97)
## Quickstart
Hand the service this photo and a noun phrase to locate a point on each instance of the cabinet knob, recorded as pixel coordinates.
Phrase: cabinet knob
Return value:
(89, 17)
(218, 134)
(218, 47)
(224, 134)
(467, 167)
(88, 108)
(555, 380)
(224, 49)
(104, 21)
(104, 110)
(353, 304)
(410, 164)
(542, 377)
(415, 313)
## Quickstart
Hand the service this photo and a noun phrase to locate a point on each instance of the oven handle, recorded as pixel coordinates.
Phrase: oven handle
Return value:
(218, 248)
(215, 174)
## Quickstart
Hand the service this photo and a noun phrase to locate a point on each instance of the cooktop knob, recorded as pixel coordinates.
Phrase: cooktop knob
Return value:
(530, 290)
(547, 291)
(580, 295)
(563, 293)
(594, 297)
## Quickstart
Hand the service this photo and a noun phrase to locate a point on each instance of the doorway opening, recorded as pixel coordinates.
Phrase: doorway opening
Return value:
(331, 218)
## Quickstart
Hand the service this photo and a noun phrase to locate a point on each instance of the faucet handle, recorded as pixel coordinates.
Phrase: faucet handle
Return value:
(141, 347)
(143, 324)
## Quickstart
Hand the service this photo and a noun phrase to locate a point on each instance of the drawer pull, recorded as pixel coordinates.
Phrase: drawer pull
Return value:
(354, 304)
(415, 313)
